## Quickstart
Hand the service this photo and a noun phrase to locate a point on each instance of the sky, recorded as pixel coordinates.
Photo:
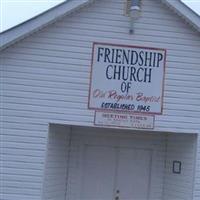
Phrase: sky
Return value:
(13, 12)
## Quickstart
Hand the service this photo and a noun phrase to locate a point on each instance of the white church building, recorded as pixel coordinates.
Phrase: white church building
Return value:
(100, 100)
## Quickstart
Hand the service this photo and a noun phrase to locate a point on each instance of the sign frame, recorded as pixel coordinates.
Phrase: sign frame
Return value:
(128, 46)
(122, 127)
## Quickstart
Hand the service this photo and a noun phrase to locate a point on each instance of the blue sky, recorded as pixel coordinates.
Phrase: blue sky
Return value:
(13, 12)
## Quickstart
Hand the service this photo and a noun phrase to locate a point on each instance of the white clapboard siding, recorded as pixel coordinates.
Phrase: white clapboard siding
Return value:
(22, 160)
(54, 186)
(44, 79)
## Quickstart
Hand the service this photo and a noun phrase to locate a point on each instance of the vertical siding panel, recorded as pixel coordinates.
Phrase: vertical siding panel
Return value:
(180, 148)
(56, 163)
(196, 193)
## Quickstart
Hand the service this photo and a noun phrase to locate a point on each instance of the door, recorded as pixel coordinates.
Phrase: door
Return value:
(115, 173)
(133, 174)
(98, 173)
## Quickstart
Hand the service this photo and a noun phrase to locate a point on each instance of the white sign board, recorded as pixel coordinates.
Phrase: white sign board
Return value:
(127, 78)
(124, 120)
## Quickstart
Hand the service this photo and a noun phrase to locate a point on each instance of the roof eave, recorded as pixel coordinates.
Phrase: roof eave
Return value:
(185, 12)
(7, 38)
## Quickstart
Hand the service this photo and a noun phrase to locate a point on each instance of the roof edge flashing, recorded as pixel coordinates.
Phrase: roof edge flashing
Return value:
(186, 13)
(26, 28)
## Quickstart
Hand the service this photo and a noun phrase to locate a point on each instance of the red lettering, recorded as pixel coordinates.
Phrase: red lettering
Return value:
(98, 93)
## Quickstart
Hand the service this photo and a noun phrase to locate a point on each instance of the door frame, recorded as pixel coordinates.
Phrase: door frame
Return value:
(150, 150)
